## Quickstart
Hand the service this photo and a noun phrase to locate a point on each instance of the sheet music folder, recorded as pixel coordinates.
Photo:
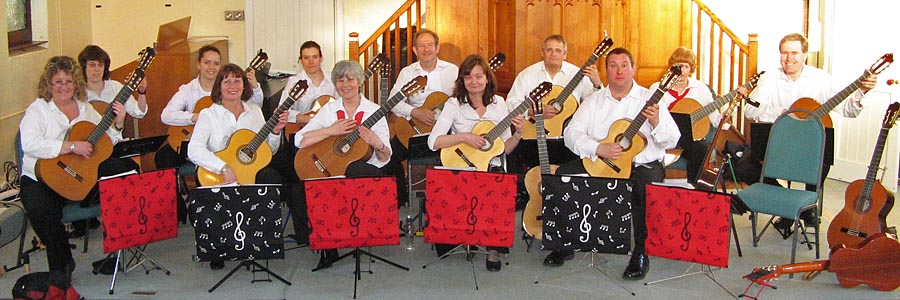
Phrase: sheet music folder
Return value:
(759, 139)
(139, 146)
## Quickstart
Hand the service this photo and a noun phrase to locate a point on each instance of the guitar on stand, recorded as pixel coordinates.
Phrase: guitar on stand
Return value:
(562, 99)
(463, 155)
(73, 176)
(867, 201)
(331, 156)
(626, 133)
(700, 114)
(248, 152)
(532, 220)
(178, 134)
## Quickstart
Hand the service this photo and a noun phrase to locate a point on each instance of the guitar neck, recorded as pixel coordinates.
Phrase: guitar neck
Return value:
(839, 97)
(375, 117)
(385, 92)
(715, 105)
(368, 74)
(504, 124)
(264, 132)
(561, 99)
(543, 157)
(866, 192)
(109, 116)
(819, 265)
(638, 121)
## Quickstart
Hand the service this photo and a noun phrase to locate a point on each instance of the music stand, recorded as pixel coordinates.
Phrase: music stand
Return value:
(419, 154)
(139, 146)
(353, 213)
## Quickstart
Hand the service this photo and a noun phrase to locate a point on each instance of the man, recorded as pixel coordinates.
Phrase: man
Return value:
(779, 89)
(319, 83)
(623, 98)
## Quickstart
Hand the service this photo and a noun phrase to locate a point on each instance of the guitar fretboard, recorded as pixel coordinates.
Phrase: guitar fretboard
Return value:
(504, 124)
(561, 99)
(866, 194)
(715, 105)
(839, 97)
(638, 121)
(543, 156)
(110, 115)
(264, 132)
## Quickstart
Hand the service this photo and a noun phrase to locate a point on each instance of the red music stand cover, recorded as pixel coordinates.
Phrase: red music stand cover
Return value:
(472, 208)
(138, 209)
(352, 212)
(688, 225)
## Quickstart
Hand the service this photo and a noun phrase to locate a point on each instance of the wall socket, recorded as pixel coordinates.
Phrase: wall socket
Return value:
(234, 15)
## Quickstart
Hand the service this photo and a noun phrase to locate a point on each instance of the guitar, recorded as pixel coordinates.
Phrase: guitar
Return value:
(178, 134)
(73, 176)
(463, 155)
(331, 156)
(377, 63)
(532, 216)
(876, 264)
(700, 115)
(435, 102)
(820, 111)
(867, 201)
(709, 176)
(248, 152)
(626, 133)
(562, 99)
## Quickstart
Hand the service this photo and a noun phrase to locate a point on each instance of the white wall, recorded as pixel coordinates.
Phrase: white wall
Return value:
(770, 19)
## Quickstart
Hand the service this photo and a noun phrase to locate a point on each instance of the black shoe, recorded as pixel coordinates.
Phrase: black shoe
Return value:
(558, 258)
(810, 219)
(94, 223)
(327, 258)
(637, 267)
(70, 267)
(493, 266)
(105, 266)
(785, 227)
(217, 264)
(76, 233)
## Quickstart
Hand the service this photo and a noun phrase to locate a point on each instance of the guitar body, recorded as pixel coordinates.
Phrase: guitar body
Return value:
(82, 174)
(553, 126)
(700, 128)
(810, 105)
(245, 170)
(534, 209)
(100, 106)
(178, 134)
(867, 223)
(405, 129)
(329, 158)
(876, 264)
(600, 167)
(481, 158)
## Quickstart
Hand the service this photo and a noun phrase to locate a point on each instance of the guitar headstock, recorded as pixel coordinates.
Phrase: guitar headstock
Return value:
(764, 274)
(385, 69)
(299, 89)
(604, 47)
(497, 61)
(134, 79)
(882, 63)
(754, 80)
(259, 60)
(146, 56)
(537, 107)
(380, 61)
(541, 91)
(670, 78)
(890, 116)
(414, 85)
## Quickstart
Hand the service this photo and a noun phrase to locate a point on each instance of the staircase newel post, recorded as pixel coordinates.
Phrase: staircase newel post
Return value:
(354, 46)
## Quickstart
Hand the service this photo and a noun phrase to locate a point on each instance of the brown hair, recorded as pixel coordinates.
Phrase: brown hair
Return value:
(95, 53)
(465, 68)
(620, 50)
(558, 38)
(58, 64)
(426, 31)
(804, 44)
(684, 55)
(205, 49)
(235, 70)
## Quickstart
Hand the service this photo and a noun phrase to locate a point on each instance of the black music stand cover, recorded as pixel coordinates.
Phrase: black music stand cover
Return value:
(237, 222)
(138, 146)
(586, 214)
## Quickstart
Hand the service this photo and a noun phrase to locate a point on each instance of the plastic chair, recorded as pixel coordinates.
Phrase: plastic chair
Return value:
(795, 152)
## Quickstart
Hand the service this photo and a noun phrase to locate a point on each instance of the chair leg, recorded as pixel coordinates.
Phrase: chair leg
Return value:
(753, 217)
(87, 234)
(817, 236)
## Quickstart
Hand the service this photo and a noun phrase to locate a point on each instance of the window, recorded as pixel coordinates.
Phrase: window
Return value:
(19, 24)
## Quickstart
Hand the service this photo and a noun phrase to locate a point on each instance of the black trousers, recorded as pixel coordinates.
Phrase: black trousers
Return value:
(694, 152)
(166, 158)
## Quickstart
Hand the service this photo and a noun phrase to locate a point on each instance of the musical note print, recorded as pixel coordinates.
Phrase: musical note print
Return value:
(354, 220)
(471, 219)
(585, 226)
(685, 233)
(239, 233)
(612, 185)
(262, 191)
(142, 218)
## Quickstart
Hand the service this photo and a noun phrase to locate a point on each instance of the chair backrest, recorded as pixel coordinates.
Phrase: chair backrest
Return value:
(796, 149)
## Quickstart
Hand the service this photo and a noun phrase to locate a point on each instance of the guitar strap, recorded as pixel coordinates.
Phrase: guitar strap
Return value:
(343, 115)
(678, 97)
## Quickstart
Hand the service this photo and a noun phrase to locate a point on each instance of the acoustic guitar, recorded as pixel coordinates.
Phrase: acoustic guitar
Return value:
(331, 156)
(867, 202)
(248, 152)
(710, 174)
(700, 114)
(73, 176)
(532, 220)
(405, 129)
(820, 111)
(626, 133)
(178, 134)
(463, 155)
(562, 99)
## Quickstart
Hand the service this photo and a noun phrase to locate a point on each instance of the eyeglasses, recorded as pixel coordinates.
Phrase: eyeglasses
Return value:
(60, 83)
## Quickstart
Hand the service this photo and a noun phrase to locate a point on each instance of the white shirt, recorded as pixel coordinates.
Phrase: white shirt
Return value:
(698, 91)
(305, 103)
(111, 88)
(591, 123)
(776, 92)
(180, 109)
(44, 129)
(461, 117)
(535, 74)
(441, 79)
(214, 128)
(328, 114)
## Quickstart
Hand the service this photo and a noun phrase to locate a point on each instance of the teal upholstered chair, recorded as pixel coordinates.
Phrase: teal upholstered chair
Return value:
(795, 152)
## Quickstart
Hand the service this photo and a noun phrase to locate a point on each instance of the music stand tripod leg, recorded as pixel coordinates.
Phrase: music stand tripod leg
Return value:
(593, 264)
(704, 270)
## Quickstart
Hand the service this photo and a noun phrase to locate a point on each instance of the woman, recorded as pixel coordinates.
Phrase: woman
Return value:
(320, 83)
(100, 88)
(43, 132)
(339, 118)
(474, 100)
(229, 113)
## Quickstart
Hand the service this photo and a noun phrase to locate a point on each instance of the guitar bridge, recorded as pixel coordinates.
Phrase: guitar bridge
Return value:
(612, 165)
(320, 166)
(464, 158)
(855, 233)
(69, 171)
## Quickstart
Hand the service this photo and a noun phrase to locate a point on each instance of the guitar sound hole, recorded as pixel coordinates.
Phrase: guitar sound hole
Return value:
(245, 156)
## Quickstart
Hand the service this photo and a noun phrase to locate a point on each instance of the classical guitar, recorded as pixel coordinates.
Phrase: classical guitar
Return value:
(178, 134)
(626, 133)
(710, 174)
(435, 102)
(867, 202)
(820, 111)
(331, 156)
(876, 264)
(700, 114)
(248, 152)
(562, 99)
(73, 176)
(463, 155)
(532, 216)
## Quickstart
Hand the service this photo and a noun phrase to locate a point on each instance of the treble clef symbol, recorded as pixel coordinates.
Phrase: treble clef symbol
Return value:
(585, 227)
(354, 220)
(142, 218)
(685, 234)
(471, 219)
(239, 234)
